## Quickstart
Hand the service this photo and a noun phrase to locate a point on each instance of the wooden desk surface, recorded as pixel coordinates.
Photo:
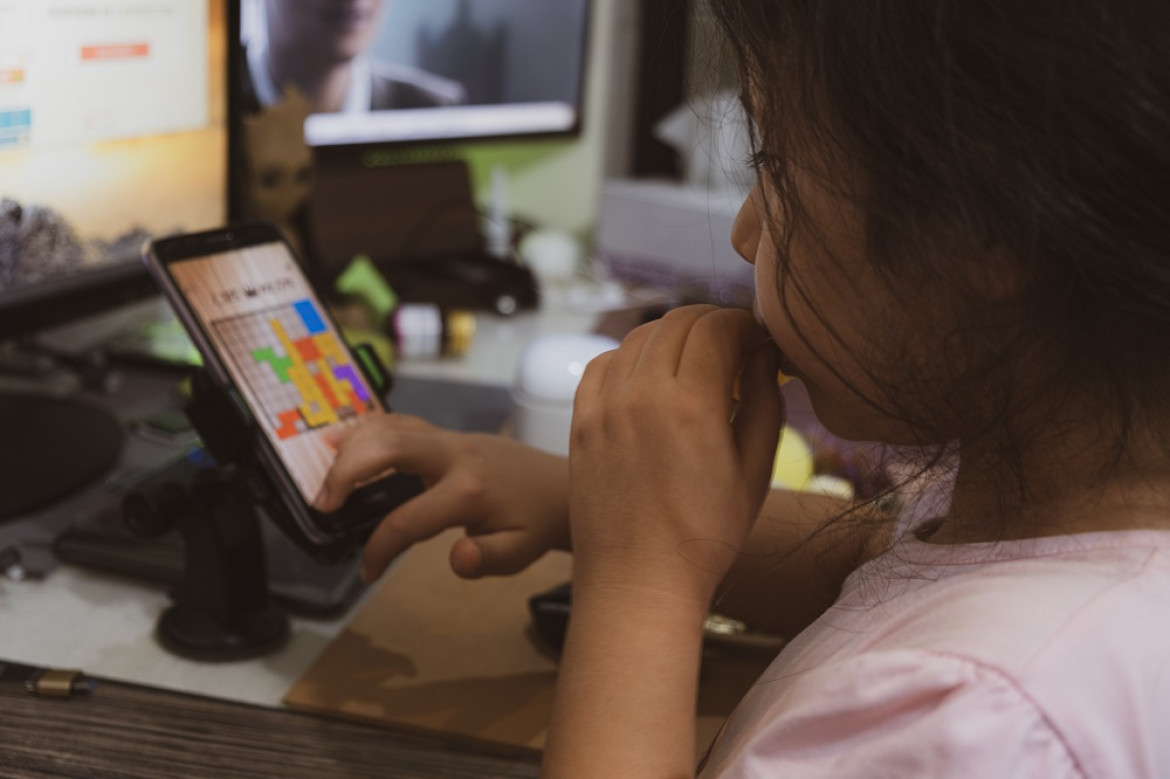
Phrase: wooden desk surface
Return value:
(123, 730)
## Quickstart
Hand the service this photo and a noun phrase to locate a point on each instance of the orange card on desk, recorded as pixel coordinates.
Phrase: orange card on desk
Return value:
(429, 650)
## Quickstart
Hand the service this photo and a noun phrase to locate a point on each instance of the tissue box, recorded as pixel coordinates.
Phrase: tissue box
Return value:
(673, 236)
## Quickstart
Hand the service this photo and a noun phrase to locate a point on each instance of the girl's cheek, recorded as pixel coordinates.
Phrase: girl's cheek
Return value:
(769, 308)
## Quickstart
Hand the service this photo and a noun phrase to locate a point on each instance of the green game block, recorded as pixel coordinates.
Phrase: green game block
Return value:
(279, 365)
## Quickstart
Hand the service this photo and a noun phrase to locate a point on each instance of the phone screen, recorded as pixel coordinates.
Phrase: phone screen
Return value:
(280, 349)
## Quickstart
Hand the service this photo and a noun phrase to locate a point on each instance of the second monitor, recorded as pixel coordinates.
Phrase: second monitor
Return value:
(376, 71)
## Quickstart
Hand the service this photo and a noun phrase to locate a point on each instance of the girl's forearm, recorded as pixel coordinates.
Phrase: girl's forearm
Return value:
(626, 692)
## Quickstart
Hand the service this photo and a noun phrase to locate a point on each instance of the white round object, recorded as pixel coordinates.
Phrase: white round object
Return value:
(546, 382)
(551, 254)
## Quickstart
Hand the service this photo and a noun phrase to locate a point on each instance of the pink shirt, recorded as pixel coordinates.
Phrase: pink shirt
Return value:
(1041, 658)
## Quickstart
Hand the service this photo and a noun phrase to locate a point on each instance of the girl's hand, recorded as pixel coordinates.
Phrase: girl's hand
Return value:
(664, 484)
(664, 487)
(511, 498)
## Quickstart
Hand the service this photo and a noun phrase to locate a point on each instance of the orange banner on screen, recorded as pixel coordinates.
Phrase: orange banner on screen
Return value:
(115, 51)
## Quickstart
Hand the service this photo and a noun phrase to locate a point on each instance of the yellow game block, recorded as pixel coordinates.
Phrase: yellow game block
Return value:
(315, 408)
(328, 346)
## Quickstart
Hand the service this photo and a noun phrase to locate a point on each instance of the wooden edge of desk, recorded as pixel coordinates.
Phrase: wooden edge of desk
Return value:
(124, 729)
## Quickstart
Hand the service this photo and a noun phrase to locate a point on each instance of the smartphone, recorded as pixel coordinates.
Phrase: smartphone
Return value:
(267, 340)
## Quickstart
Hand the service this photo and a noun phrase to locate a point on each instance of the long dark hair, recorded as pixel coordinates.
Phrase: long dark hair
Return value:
(1034, 134)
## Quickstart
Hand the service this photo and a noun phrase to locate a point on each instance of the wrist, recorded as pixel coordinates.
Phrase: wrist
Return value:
(636, 601)
(628, 680)
(688, 573)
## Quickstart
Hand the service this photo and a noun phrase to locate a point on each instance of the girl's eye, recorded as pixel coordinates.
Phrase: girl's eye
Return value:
(761, 161)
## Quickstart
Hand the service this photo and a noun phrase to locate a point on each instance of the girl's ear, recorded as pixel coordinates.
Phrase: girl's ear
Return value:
(997, 275)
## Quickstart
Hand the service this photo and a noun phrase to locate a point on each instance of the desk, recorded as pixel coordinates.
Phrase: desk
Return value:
(123, 730)
(104, 624)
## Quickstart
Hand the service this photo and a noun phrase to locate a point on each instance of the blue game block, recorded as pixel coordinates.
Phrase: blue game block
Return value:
(310, 316)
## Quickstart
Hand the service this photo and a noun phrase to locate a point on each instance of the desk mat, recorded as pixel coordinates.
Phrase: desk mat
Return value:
(431, 651)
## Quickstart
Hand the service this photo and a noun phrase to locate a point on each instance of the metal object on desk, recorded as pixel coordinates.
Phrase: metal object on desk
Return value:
(58, 683)
(46, 682)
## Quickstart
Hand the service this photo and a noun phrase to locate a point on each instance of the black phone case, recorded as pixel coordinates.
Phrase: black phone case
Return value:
(228, 429)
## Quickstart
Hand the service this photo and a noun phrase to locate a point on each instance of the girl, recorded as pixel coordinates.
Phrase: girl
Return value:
(959, 244)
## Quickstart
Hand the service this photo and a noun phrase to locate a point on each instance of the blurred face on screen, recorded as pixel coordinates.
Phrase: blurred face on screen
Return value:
(323, 31)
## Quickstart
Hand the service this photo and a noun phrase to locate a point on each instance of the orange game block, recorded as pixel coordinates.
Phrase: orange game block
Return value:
(288, 424)
(308, 349)
(327, 391)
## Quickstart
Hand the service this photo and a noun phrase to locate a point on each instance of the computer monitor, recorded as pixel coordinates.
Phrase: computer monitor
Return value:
(113, 128)
(412, 71)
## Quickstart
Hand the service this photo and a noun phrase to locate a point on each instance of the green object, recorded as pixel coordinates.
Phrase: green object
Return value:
(364, 281)
(514, 157)
(383, 347)
(280, 365)
(374, 366)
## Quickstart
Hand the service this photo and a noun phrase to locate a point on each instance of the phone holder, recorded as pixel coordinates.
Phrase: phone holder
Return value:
(222, 609)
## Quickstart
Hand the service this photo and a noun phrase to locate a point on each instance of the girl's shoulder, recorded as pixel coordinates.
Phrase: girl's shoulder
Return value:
(913, 566)
(1047, 653)
(1018, 605)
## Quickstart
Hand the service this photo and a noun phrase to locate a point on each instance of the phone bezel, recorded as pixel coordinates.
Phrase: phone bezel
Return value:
(364, 508)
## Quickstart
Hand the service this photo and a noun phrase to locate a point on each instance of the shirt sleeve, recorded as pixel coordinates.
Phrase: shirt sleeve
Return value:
(891, 714)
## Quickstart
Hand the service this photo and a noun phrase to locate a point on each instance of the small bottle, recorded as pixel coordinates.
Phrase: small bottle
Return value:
(427, 331)
(498, 224)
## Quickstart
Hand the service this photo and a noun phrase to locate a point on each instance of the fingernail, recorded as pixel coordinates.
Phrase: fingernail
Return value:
(322, 499)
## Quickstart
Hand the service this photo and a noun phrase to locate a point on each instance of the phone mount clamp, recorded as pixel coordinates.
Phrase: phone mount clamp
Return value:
(222, 609)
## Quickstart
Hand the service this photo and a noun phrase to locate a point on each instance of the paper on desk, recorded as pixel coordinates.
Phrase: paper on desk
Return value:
(431, 651)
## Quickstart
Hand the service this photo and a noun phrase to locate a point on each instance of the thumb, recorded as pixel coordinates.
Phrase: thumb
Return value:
(760, 416)
(494, 554)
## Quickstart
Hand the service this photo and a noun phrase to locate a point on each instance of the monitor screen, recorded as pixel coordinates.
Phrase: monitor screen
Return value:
(388, 71)
(113, 129)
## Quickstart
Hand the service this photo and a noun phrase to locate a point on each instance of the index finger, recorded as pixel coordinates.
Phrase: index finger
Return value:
(718, 346)
(372, 449)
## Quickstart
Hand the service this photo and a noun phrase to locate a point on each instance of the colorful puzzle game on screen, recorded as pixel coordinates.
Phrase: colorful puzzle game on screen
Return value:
(302, 375)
